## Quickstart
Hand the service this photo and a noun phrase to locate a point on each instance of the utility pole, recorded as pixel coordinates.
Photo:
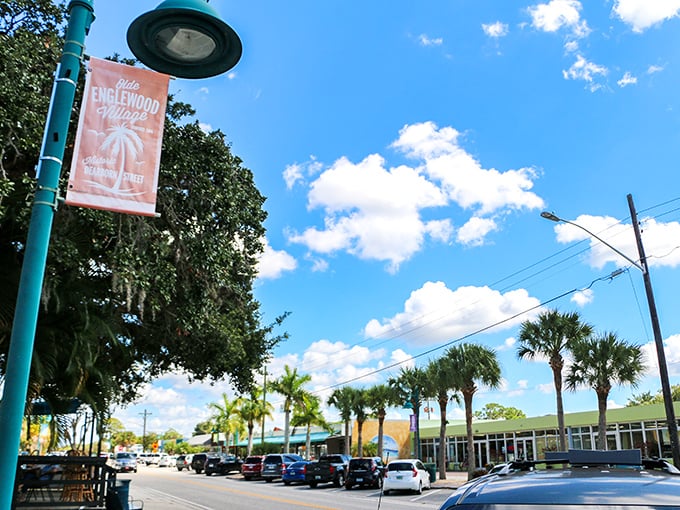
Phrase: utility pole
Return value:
(145, 414)
(672, 422)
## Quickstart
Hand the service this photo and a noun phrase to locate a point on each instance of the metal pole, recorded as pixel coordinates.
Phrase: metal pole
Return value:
(672, 423)
(145, 414)
(81, 16)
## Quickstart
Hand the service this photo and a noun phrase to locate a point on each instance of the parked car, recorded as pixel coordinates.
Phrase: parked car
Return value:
(153, 458)
(406, 475)
(166, 460)
(362, 471)
(183, 462)
(294, 473)
(274, 463)
(198, 462)
(577, 479)
(330, 468)
(252, 467)
(125, 462)
(222, 464)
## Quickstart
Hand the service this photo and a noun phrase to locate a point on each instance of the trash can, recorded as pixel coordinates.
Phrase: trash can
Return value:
(432, 469)
(123, 493)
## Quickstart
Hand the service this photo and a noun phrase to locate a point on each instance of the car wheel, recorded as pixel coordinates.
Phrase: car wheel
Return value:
(313, 485)
(386, 492)
(286, 482)
(247, 477)
(199, 471)
(348, 486)
(269, 480)
(420, 488)
(179, 469)
(340, 480)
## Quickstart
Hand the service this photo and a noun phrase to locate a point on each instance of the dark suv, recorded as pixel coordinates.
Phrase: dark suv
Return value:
(222, 464)
(198, 462)
(273, 464)
(364, 471)
(574, 480)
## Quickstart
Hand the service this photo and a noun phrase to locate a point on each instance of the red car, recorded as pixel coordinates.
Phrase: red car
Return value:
(252, 467)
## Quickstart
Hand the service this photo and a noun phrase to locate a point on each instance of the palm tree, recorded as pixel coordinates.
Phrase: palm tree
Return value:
(359, 408)
(227, 417)
(473, 363)
(380, 397)
(411, 385)
(252, 411)
(290, 387)
(550, 336)
(600, 362)
(441, 374)
(307, 415)
(341, 399)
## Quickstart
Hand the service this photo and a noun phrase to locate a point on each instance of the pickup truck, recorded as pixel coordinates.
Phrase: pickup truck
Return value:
(330, 468)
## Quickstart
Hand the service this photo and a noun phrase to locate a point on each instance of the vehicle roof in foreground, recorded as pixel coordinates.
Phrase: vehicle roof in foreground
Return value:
(618, 479)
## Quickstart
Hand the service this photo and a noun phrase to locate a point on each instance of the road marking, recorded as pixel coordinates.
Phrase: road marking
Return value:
(293, 502)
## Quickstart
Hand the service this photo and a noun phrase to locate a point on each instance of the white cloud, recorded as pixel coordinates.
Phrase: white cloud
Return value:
(642, 14)
(435, 314)
(586, 71)
(627, 79)
(571, 46)
(297, 173)
(660, 240)
(611, 404)
(558, 14)
(206, 128)
(654, 69)
(232, 75)
(671, 351)
(582, 298)
(508, 344)
(547, 389)
(273, 263)
(475, 230)
(426, 40)
(495, 30)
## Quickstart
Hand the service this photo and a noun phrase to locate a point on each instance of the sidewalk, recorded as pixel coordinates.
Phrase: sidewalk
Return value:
(154, 500)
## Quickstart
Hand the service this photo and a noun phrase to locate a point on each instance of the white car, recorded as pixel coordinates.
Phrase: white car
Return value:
(166, 460)
(406, 475)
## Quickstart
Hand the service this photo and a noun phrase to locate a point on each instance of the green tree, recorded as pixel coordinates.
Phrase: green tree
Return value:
(342, 399)
(227, 417)
(307, 414)
(412, 386)
(599, 363)
(291, 387)
(127, 298)
(494, 411)
(441, 375)
(201, 428)
(252, 411)
(647, 397)
(474, 363)
(380, 398)
(550, 336)
(360, 405)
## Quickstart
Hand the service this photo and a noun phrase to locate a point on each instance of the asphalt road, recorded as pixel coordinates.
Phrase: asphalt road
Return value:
(167, 488)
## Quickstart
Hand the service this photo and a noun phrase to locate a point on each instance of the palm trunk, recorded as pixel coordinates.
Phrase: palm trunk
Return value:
(346, 437)
(557, 380)
(441, 453)
(602, 421)
(251, 426)
(308, 441)
(472, 464)
(286, 432)
(360, 446)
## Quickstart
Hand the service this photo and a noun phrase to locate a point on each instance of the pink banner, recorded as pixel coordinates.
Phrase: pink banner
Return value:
(118, 145)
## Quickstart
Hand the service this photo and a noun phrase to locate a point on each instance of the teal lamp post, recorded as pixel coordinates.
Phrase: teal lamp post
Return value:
(183, 38)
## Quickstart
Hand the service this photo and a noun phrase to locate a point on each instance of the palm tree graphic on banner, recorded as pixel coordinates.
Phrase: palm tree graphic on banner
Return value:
(122, 142)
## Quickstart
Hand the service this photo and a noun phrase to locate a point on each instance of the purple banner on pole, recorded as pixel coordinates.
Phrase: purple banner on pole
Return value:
(412, 427)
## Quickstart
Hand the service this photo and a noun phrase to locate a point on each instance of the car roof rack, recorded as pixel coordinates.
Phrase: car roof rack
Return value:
(589, 458)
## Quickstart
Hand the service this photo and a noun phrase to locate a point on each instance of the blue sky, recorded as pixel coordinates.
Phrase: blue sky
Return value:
(406, 150)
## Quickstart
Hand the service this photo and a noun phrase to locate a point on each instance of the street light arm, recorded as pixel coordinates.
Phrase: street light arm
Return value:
(553, 217)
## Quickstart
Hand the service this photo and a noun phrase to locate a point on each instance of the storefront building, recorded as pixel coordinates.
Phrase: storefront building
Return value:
(642, 427)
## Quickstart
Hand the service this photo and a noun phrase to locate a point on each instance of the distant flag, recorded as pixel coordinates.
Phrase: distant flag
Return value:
(118, 144)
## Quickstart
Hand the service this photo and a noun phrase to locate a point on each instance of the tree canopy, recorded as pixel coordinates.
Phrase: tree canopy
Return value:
(128, 298)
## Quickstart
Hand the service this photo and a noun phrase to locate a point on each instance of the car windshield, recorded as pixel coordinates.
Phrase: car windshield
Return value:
(360, 464)
(253, 460)
(123, 456)
(400, 466)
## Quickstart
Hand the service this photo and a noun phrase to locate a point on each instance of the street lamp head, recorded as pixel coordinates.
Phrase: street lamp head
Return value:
(550, 216)
(186, 39)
